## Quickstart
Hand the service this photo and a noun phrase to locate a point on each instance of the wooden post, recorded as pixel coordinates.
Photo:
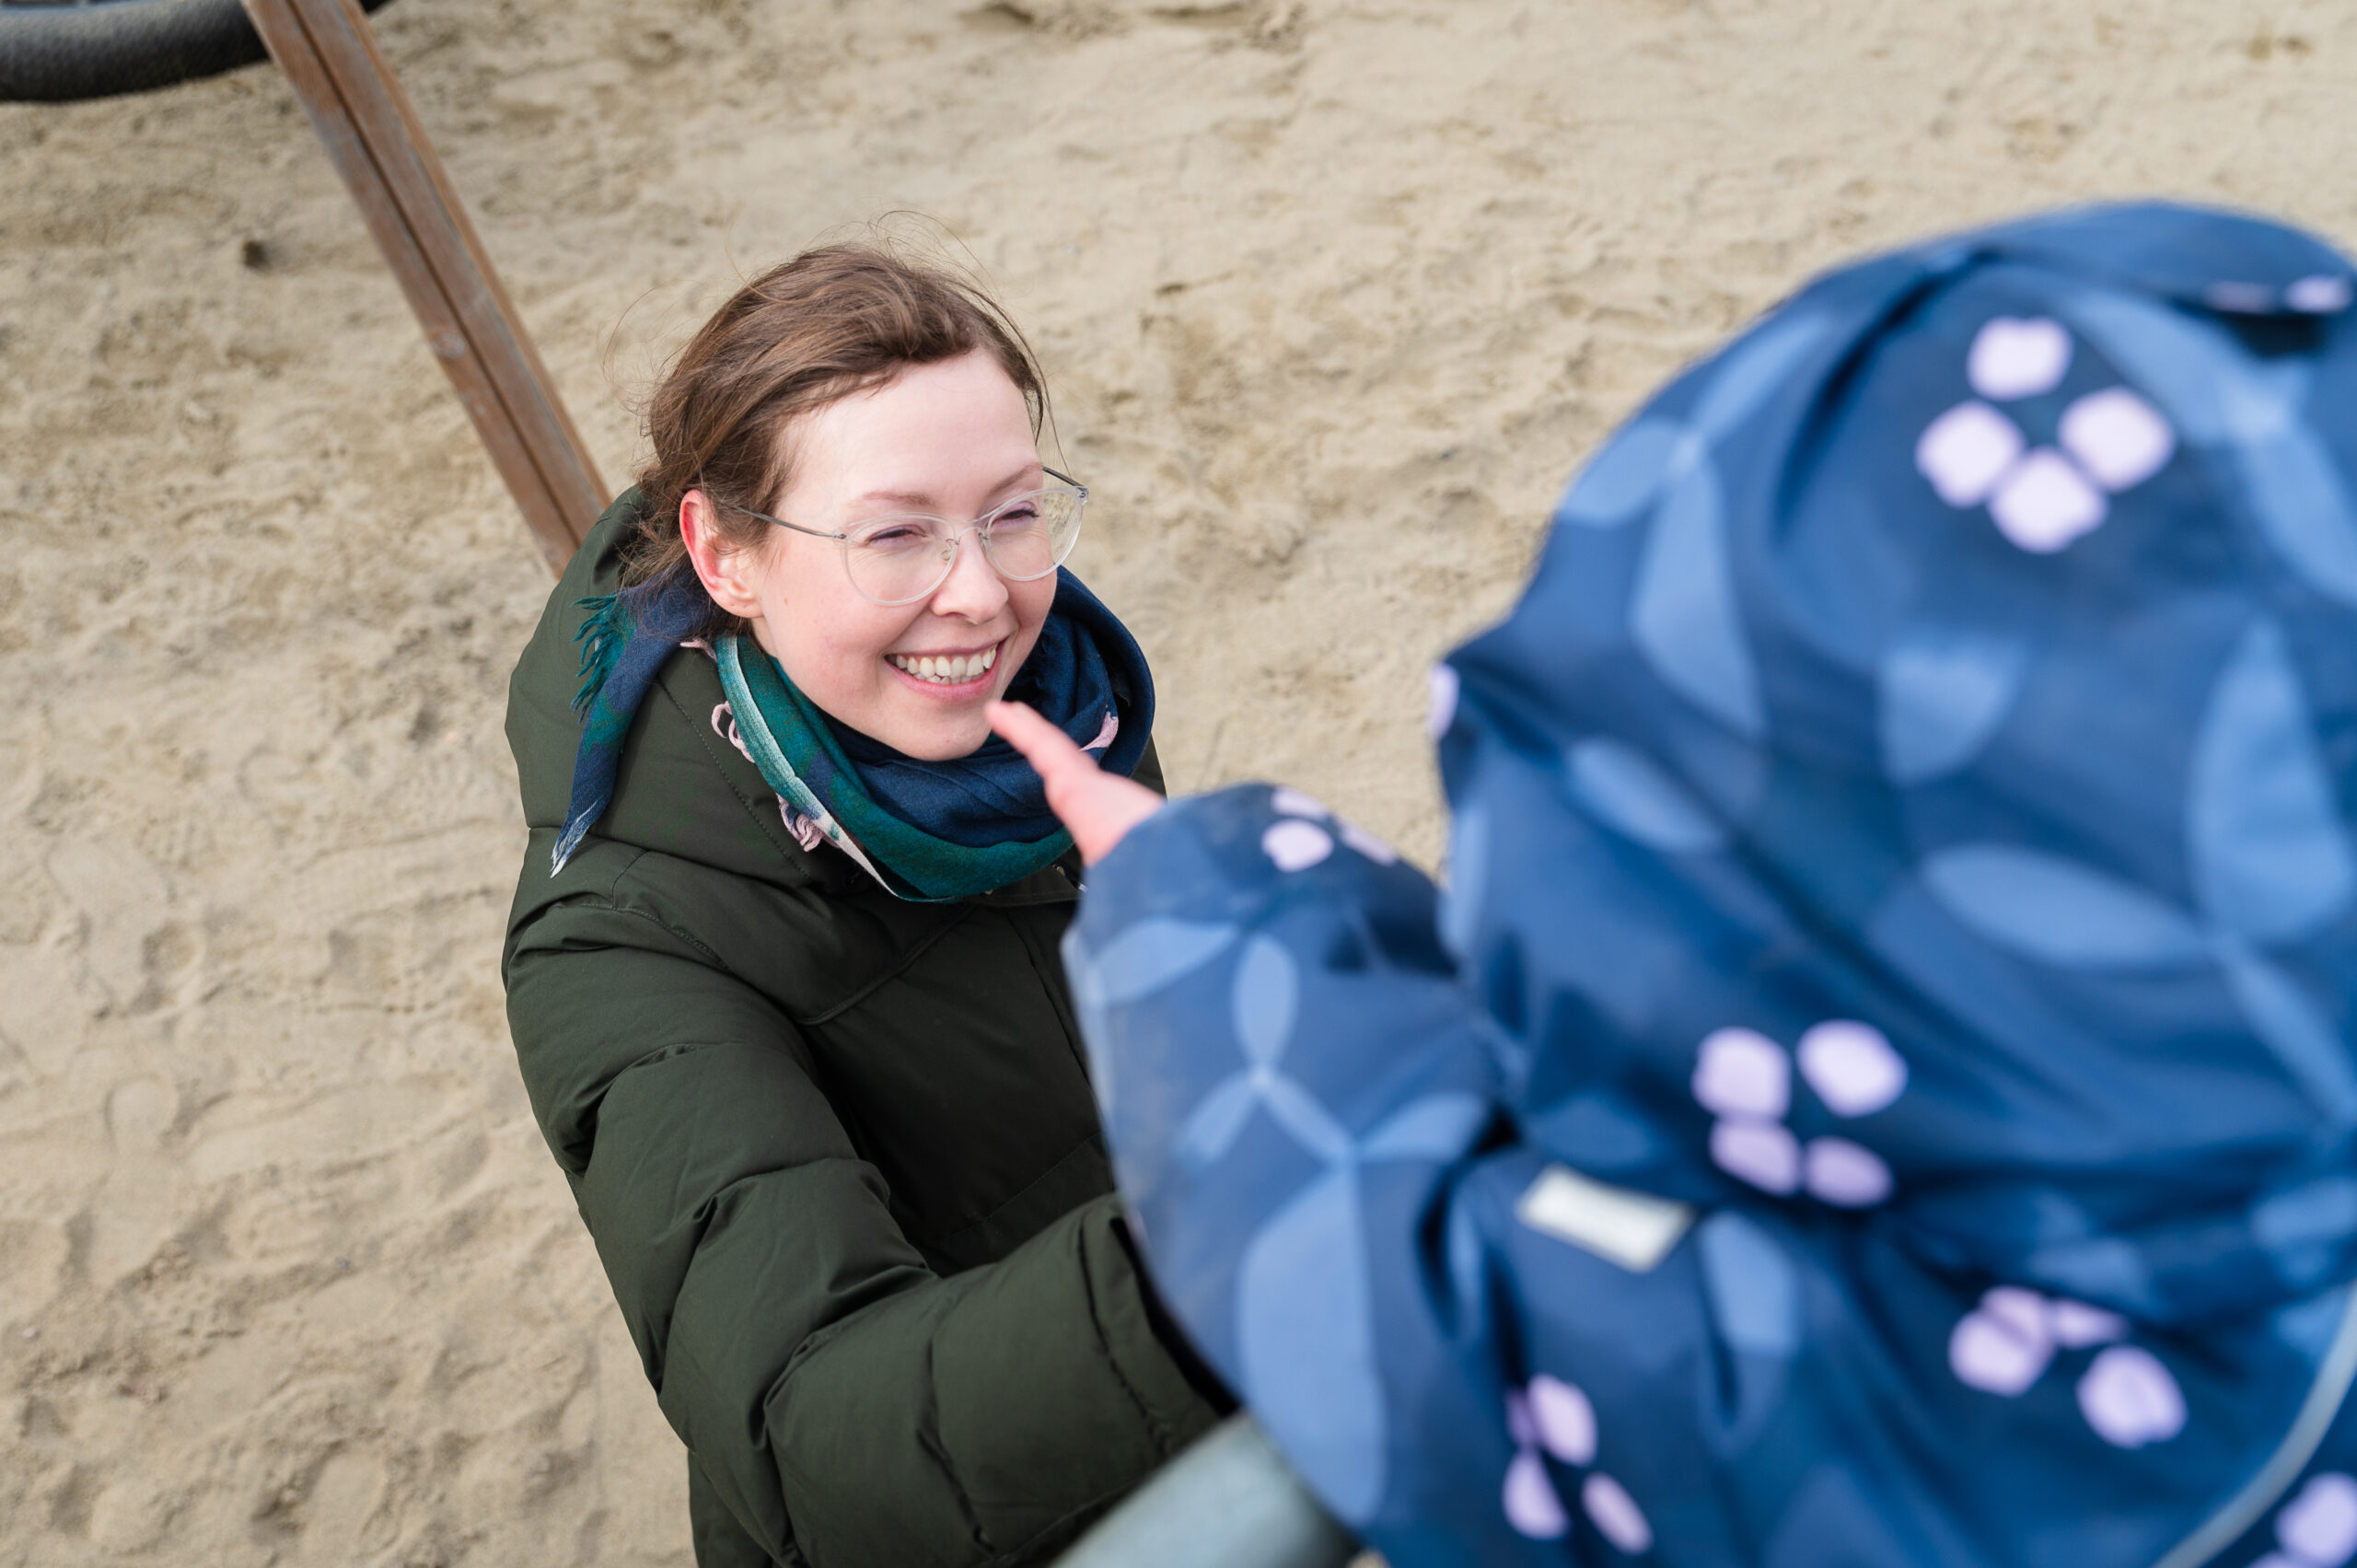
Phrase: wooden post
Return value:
(371, 135)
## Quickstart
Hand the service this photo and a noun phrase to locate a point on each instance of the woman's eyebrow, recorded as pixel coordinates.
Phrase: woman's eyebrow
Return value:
(921, 498)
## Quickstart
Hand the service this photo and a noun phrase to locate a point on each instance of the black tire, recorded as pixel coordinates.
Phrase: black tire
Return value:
(56, 50)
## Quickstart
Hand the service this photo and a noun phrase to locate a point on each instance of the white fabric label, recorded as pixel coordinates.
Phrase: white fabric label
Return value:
(1634, 1230)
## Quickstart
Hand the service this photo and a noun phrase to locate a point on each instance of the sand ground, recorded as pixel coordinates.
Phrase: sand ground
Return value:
(1333, 294)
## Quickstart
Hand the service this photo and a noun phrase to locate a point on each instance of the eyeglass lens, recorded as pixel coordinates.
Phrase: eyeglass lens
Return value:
(897, 560)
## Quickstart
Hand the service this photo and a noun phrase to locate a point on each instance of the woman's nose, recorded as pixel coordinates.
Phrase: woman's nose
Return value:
(973, 590)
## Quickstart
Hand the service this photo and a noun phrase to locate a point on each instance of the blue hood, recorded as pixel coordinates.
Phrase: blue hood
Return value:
(1968, 651)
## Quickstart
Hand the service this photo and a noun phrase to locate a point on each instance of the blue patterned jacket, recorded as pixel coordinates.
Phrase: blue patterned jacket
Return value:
(1878, 1088)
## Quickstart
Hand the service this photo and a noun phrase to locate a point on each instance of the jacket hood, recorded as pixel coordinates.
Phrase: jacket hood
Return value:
(1930, 727)
(682, 788)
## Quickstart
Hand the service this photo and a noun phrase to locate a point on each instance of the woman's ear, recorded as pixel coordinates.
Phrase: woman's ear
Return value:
(724, 570)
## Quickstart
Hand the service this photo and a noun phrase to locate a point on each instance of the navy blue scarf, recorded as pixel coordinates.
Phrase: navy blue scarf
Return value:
(994, 796)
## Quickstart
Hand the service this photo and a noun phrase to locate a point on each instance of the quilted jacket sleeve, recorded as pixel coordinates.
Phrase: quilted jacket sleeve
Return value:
(849, 1407)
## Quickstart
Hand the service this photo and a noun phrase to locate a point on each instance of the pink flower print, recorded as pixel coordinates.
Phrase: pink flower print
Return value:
(1441, 683)
(1296, 845)
(1561, 1420)
(1555, 1416)
(1761, 1153)
(1973, 454)
(1299, 843)
(2076, 1325)
(1744, 1079)
(2118, 438)
(1615, 1513)
(2017, 357)
(1966, 451)
(1851, 1067)
(1531, 1505)
(2239, 298)
(2131, 1400)
(2318, 1527)
(1846, 1175)
(1287, 801)
(1741, 1073)
(2044, 503)
(2004, 1346)
(2322, 295)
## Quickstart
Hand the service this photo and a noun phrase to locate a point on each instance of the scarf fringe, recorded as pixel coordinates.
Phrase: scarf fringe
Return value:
(602, 637)
(570, 841)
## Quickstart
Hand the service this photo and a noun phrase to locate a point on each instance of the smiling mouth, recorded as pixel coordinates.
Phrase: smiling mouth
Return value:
(955, 669)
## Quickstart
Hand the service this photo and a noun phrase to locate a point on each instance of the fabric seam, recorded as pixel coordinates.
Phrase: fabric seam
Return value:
(1146, 1412)
(614, 906)
(929, 1436)
(908, 958)
(1016, 1197)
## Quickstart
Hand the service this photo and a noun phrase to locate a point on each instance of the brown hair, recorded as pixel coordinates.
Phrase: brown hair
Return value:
(834, 321)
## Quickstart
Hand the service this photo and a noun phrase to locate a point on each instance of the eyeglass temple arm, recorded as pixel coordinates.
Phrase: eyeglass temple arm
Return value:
(757, 511)
(797, 527)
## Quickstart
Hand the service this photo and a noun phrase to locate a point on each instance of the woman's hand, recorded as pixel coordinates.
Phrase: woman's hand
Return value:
(1098, 806)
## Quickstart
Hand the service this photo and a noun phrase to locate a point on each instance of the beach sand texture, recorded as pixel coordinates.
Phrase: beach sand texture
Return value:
(1333, 294)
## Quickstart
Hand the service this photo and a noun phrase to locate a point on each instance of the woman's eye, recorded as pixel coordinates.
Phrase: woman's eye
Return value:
(1017, 517)
(895, 536)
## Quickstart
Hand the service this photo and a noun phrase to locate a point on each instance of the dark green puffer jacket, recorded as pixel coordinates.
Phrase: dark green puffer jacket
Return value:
(838, 1153)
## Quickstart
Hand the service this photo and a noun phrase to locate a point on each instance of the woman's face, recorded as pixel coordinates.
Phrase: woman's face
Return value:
(952, 439)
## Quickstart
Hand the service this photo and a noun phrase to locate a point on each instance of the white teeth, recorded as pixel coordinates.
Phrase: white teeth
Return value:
(947, 671)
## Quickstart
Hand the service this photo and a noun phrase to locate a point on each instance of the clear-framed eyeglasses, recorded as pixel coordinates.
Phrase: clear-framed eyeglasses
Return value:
(902, 558)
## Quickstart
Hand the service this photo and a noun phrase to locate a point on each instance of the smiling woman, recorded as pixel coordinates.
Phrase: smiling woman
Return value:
(783, 968)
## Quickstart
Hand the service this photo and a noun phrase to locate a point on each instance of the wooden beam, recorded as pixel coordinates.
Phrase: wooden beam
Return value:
(372, 135)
